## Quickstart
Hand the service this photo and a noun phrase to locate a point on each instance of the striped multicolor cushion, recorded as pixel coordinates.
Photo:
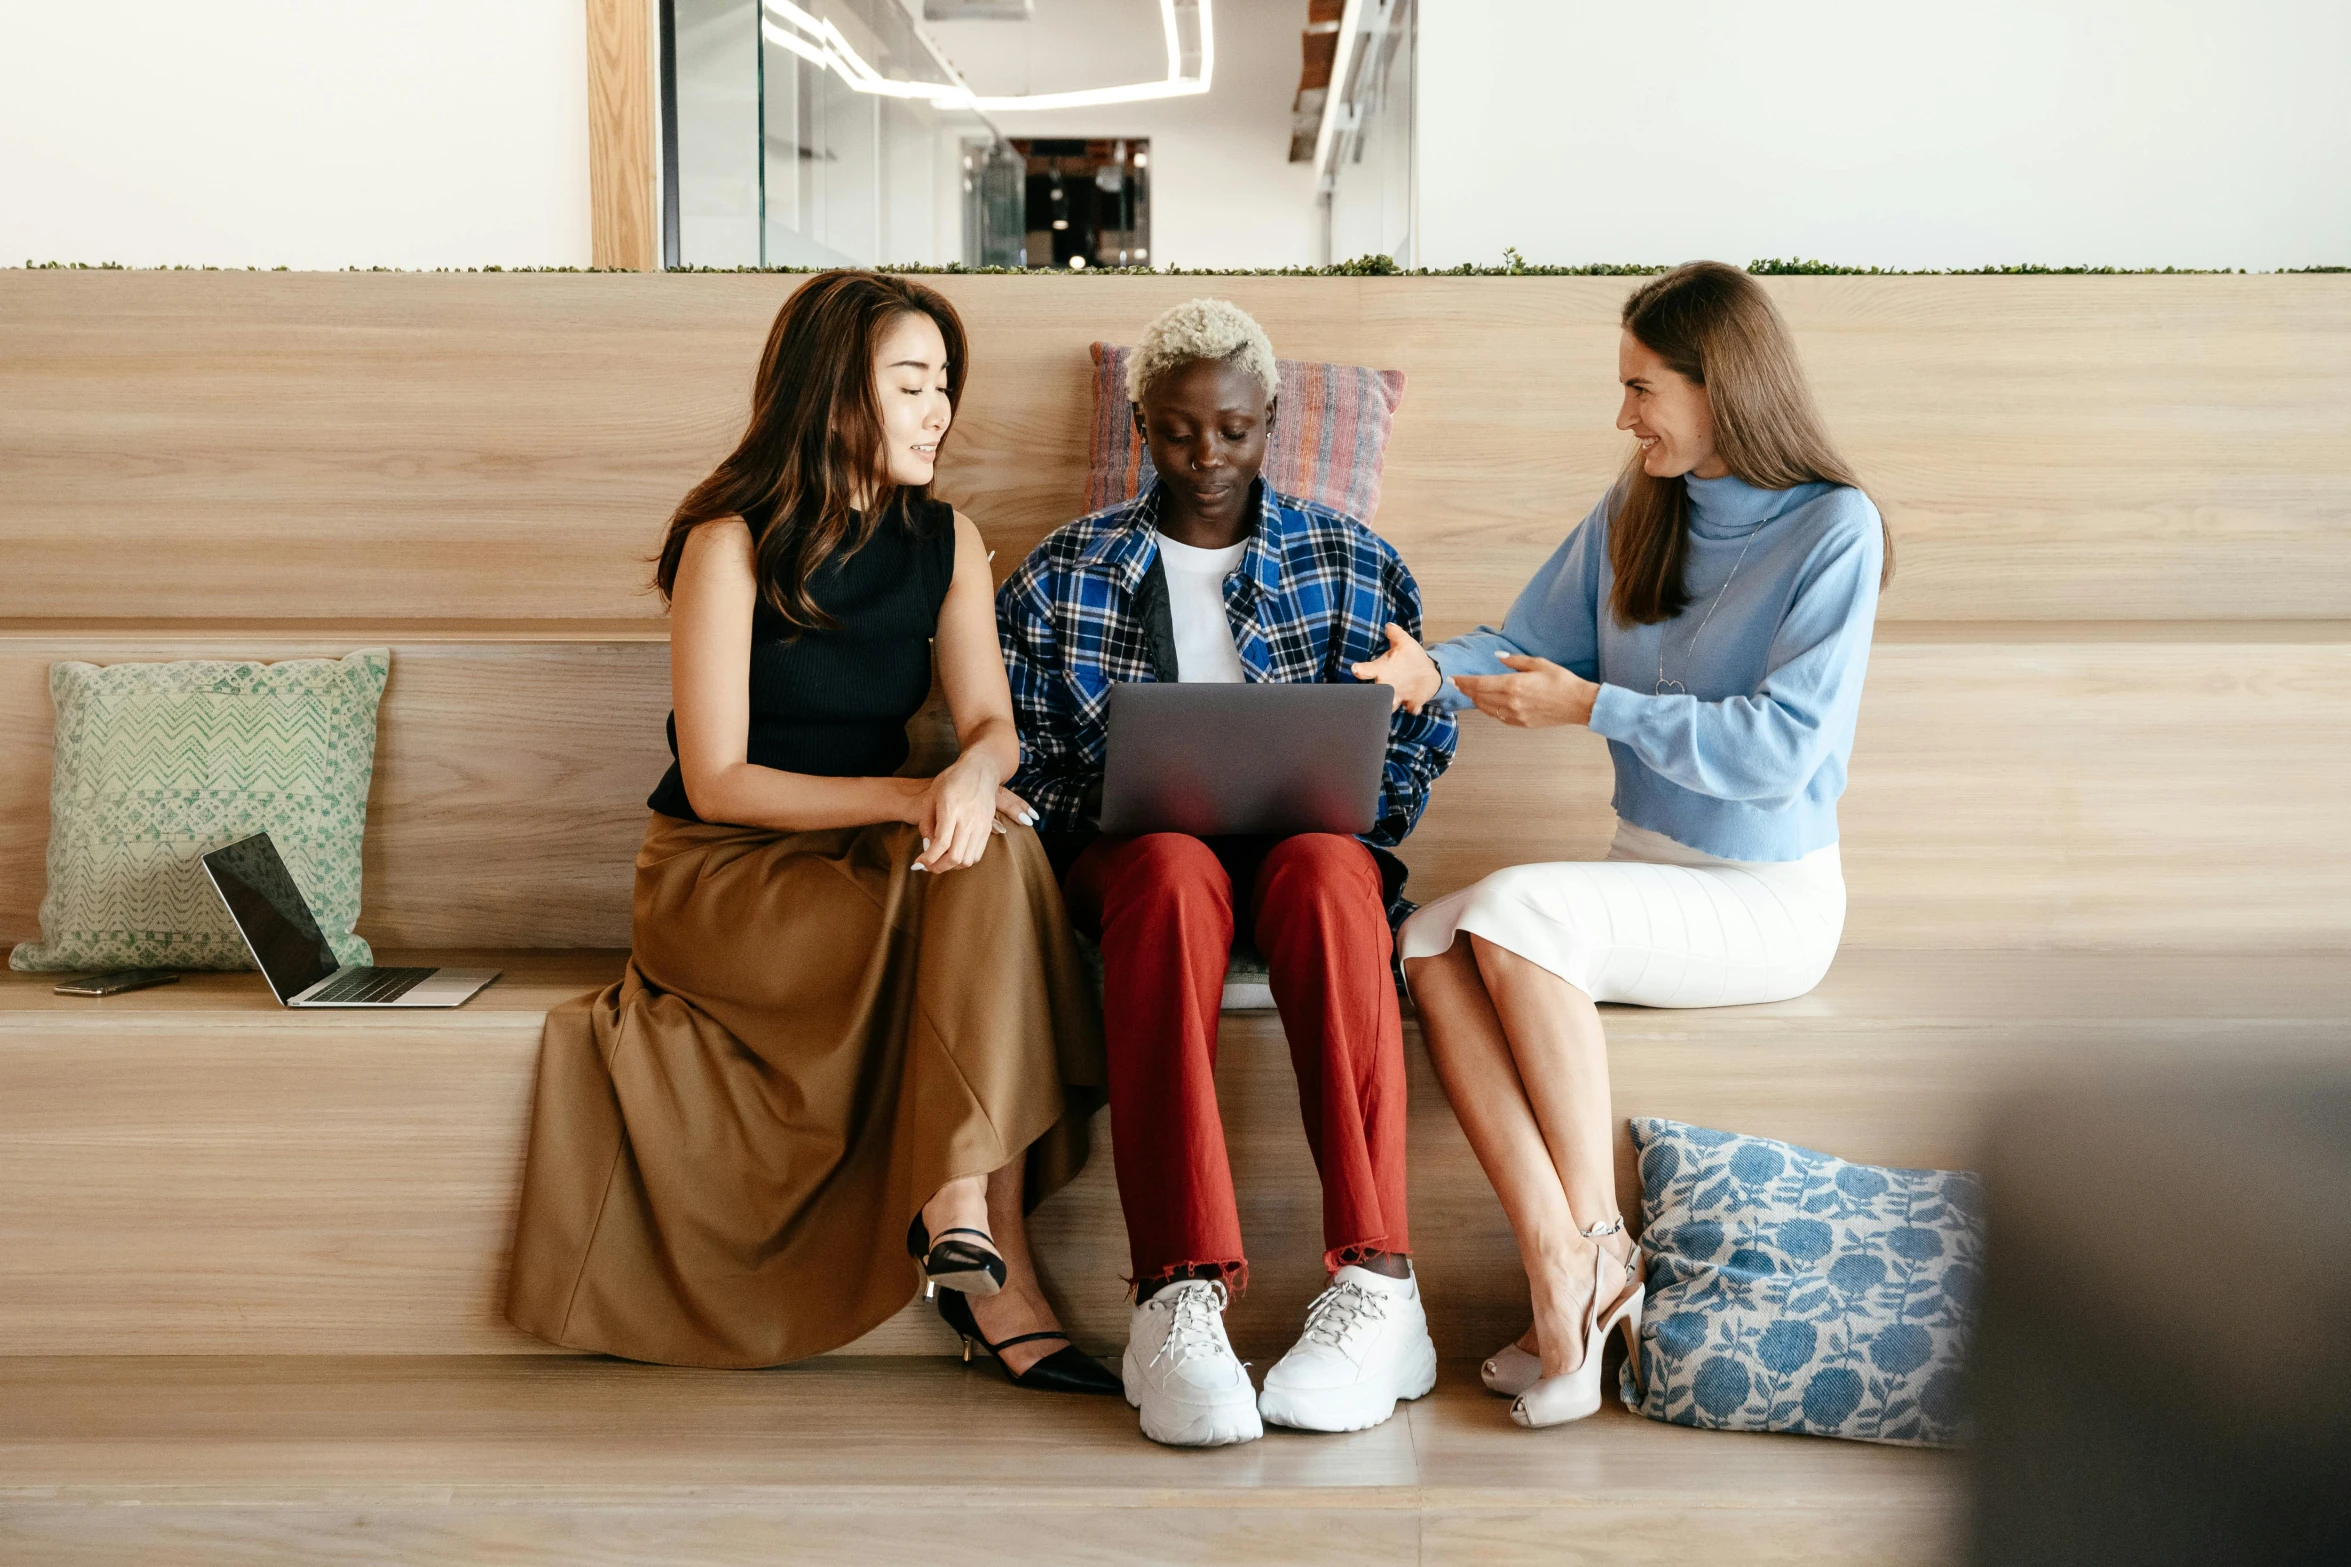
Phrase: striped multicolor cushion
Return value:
(1330, 434)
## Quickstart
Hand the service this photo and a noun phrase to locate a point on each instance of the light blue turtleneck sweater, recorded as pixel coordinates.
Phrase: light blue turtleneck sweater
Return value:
(1749, 763)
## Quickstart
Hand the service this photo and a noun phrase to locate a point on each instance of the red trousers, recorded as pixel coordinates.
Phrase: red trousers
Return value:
(1163, 908)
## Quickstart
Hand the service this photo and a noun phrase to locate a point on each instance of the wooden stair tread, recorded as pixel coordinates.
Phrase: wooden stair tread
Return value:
(63, 633)
(530, 981)
(416, 1445)
(1868, 990)
(345, 1421)
(198, 632)
(2028, 633)
(195, 1169)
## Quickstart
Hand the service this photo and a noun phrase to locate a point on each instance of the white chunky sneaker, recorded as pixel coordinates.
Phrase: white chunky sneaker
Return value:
(1366, 1345)
(1180, 1370)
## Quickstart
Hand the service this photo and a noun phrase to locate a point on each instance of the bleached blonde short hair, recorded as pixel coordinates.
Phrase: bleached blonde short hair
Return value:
(1201, 329)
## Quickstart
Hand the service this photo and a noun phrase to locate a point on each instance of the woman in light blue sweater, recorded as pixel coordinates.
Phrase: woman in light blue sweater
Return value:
(1711, 618)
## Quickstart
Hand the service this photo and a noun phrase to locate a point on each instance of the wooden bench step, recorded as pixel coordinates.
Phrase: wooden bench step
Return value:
(2082, 786)
(197, 1170)
(317, 1461)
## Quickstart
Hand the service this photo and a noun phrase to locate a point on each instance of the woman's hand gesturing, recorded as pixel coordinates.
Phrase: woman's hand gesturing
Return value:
(1539, 696)
(1405, 669)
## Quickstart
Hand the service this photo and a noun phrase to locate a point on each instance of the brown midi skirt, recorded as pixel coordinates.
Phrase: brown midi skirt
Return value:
(810, 1040)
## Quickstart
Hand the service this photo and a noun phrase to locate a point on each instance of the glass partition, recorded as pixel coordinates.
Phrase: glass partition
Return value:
(995, 204)
(792, 147)
(1367, 181)
(715, 154)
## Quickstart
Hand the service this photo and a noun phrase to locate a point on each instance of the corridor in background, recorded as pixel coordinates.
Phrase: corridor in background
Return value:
(1083, 203)
(1065, 134)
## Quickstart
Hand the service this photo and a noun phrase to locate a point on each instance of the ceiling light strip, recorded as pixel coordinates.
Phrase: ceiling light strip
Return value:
(1175, 45)
(825, 47)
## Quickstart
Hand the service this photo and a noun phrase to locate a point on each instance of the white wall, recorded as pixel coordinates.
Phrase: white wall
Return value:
(2210, 133)
(1223, 191)
(301, 133)
(329, 133)
(422, 133)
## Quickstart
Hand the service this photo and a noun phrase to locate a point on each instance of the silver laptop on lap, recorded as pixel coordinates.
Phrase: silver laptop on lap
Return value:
(283, 936)
(1269, 759)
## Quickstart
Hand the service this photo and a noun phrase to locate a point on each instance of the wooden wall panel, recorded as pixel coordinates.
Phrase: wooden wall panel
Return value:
(2019, 786)
(412, 452)
(2146, 451)
(236, 444)
(509, 793)
(2012, 786)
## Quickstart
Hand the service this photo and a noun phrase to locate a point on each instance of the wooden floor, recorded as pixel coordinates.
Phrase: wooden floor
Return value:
(471, 1459)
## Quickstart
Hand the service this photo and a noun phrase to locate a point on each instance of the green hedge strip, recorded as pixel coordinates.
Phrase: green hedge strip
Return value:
(1362, 266)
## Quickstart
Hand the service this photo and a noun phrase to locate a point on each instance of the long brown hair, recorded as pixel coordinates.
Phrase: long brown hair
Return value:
(1713, 325)
(815, 438)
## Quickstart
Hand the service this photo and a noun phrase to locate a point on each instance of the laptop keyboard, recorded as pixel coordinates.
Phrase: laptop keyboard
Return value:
(372, 984)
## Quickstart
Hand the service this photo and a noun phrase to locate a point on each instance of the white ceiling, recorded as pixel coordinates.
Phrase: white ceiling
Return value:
(1067, 45)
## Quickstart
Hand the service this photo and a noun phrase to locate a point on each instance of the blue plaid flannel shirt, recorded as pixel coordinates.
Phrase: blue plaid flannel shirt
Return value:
(1312, 596)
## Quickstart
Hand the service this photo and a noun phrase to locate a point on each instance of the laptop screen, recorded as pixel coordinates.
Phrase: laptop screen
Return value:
(270, 911)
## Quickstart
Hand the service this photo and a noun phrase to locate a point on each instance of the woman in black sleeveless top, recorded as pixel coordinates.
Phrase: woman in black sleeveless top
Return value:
(853, 1041)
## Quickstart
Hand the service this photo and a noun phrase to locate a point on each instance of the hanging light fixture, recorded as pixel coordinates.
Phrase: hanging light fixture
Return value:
(819, 42)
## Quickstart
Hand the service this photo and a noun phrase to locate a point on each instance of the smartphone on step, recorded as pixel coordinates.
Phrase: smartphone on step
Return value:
(115, 983)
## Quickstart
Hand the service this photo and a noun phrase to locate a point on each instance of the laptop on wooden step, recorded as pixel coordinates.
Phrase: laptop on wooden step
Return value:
(283, 936)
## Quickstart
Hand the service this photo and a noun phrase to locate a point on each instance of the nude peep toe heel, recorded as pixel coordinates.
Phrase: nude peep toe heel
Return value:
(1510, 1370)
(1554, 1401)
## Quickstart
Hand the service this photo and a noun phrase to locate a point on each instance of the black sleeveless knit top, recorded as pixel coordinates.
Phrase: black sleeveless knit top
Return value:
(835, 703)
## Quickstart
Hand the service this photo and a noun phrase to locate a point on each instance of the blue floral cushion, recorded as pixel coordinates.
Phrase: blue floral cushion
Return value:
(1793, 1291)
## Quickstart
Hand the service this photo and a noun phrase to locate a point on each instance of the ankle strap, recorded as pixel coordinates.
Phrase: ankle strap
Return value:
(965, 1229)
(1615, 1226)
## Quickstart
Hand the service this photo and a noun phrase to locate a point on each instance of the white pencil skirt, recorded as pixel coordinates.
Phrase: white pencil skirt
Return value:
(1657, 923)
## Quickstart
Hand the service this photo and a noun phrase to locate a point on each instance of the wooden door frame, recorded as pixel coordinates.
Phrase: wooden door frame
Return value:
(624, 230)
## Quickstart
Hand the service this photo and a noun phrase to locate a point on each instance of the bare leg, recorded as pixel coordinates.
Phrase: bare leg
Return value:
(1473, 1060)
(1553, 1034)
(1020, 1306)
(960, 1204)
(1554, 1037)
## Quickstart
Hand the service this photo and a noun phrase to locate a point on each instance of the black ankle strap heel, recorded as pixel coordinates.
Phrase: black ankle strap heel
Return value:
(955, 1265)
(1067, 1370)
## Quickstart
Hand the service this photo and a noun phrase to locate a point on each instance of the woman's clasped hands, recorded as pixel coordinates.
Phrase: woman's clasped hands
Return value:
(1538, 694)
(959, 810)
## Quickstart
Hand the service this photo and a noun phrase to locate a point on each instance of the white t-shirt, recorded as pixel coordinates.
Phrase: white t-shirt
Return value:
(1195, 602)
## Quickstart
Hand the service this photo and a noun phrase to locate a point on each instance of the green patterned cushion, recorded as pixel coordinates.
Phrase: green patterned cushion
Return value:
(159, 763)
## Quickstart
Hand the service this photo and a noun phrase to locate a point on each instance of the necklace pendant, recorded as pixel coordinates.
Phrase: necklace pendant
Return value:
(1672, 688)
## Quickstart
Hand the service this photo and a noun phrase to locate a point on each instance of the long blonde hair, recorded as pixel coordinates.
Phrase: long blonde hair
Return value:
(1715, 327)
